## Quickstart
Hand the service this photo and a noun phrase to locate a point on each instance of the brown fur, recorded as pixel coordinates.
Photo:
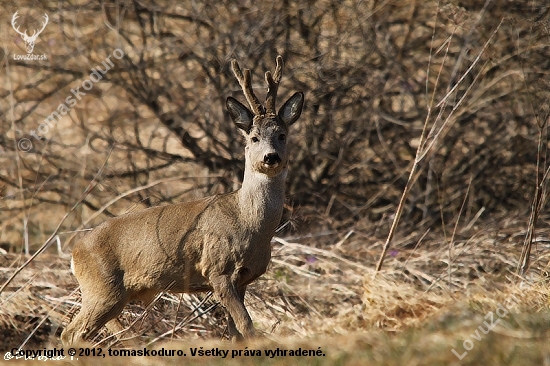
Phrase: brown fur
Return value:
(219, 243)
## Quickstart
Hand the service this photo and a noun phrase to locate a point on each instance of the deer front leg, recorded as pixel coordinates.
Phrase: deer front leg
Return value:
(234, 334)
(233, 301)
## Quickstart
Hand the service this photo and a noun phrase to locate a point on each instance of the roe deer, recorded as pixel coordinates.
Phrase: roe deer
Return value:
(219, 243)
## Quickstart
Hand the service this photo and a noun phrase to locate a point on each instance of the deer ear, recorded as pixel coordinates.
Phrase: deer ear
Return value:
(240, 115)
(291, 110)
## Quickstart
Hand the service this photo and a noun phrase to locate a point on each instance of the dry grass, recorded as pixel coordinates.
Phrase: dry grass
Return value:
(316, 294)
(465, 85)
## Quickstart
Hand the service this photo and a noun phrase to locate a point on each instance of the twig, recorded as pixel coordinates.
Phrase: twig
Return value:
(187, 319)
(44, 318)
(424, 152)
(87, 191)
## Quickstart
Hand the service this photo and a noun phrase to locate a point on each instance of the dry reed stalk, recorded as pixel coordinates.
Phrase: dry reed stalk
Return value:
(423, 152)
(44, 246)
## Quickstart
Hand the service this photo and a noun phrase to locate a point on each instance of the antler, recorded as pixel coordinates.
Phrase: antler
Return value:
(273, 85)
(246, 86)
(36, 33)
(25, 35)
(13, 19)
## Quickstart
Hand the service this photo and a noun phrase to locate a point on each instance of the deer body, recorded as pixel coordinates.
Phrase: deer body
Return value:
(219, 243)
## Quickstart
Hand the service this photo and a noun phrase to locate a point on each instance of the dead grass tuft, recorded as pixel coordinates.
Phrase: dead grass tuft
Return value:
(394, 305)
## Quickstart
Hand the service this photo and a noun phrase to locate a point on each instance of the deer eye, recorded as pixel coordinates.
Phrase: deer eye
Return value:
(282, 137)
(255, 139)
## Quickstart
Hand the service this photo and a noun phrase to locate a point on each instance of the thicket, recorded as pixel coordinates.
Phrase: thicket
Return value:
(473, 75)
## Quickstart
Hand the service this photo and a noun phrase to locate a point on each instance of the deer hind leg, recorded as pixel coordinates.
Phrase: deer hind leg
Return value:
(96, 311)
(239, 321)
(126, 337)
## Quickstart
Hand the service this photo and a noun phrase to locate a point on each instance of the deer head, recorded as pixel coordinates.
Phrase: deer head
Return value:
(29, 40)
(264, 128)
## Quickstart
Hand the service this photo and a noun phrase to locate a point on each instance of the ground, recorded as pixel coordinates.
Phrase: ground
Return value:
(320, 294)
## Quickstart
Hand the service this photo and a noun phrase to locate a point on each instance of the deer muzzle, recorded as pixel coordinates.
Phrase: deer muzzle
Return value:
(272, 159)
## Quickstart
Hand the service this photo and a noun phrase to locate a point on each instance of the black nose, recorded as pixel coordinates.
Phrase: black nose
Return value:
(272, 158)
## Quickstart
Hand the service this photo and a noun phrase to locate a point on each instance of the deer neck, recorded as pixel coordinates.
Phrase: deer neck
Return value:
(261, 199)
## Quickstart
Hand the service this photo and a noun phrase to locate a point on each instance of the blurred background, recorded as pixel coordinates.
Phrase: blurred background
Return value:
(463, 83)
(371, 72)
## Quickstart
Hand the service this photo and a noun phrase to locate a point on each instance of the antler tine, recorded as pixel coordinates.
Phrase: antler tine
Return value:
(246, 85)
(273, 85)
(46, 19)
(15, 26)
(14, 18)
(37, 32)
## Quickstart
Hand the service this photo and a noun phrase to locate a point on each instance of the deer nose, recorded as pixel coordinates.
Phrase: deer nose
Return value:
(272, 159)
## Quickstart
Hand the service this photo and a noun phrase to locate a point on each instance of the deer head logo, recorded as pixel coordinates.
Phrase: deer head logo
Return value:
(29, 40)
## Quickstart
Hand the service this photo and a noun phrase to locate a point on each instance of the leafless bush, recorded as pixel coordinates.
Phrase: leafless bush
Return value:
(368, 68)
